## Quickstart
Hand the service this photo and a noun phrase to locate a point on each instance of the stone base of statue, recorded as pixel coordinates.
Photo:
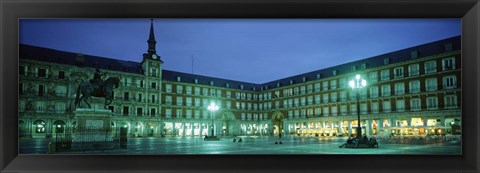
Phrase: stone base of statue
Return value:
(211, 138)
(93, 131)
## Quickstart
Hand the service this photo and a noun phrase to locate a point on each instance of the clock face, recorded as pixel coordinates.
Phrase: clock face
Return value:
(154, 56)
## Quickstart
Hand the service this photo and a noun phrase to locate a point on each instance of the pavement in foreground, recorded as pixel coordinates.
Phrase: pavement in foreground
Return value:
(256, 145)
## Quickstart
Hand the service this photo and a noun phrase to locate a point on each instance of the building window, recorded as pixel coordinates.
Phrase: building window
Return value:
(179, 89)
(111, 108)
(325, 98)
(325, 111)
(188, 90)
(333, 84)
(195, 81)
(363, 108)
(386, 90)
(449, 82)
(153, 112)
(205, 92)
(61, 75)
(450, 101)
(399, 88)
(139, 97)
(333, 97)
(400, 105)
(126, 96)
(179, 101)
(189, 101)
(317, 87)
(334, 72)
(385, 74)
(41, 90)
(353, 109)
(374, 107)
(325, 85)
(197, 91)
(373, 76)
(154, 85)
(448, 63)
(387, 106)
(430, 66)
(343, 82)
(398, 72)
(414, 54)
(414, 86)
(317, 99)
(179, 113)
(125, 111)
(374, 92)
(415, 104)
(41, 72)
(179, 79)
(413, 70)
(153, 98)
(386, 61)
(431, 84)
(343, 110)
(139, 111)
(343, 96)
(153, 72)
(432, 103)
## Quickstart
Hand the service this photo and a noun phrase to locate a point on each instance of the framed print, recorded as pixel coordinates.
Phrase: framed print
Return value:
(240, 86)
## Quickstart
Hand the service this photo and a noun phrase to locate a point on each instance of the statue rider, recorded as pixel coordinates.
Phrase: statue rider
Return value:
(97, 78)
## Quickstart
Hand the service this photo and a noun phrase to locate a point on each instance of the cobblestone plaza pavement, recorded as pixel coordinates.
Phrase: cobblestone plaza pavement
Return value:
(257, 145)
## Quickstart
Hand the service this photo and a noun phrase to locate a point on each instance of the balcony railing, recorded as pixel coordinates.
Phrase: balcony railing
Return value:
(449, 86)
(414, 72)
(432, 88)
(430, 69)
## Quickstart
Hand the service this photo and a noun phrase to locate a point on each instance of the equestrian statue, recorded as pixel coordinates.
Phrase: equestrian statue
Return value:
(96, 87)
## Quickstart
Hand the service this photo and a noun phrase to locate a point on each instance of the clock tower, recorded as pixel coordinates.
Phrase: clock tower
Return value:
(151, 51)
(152, 69)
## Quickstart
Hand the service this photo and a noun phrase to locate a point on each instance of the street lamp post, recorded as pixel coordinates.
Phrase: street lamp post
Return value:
(212, 108)
(358, 83)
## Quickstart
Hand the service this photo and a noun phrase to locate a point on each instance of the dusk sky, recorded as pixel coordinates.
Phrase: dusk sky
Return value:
(249, 50)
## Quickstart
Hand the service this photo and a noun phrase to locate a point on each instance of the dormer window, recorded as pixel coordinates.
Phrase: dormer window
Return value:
(254, 88)
(414, 54)
(179, 78)
(386, 61)
(291, 82)
(304, 79)
(334, 72)
(195, 81)
(227, 85)
(319, 76)
(448, 47)
(354, 67)
(278, 84)
(364, 65)
(241, 87)
(211, 83)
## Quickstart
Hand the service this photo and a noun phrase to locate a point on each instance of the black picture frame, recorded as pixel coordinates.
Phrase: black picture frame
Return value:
(11, 11)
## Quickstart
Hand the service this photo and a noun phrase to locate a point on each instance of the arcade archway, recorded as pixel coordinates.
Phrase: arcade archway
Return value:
(277, 123)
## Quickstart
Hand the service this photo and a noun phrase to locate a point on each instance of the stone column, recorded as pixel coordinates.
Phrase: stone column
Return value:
(349, 127)
(379, 126)
(340, 127)
(48, 128)
(367, 127)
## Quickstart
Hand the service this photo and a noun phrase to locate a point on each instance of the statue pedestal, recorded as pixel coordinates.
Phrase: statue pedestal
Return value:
(93, 129)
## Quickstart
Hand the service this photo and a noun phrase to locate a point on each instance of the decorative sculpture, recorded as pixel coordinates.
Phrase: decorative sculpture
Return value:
(97, 88)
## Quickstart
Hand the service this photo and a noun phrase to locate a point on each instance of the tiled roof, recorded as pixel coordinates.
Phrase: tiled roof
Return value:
(205, 80)
(62, 57)
(76, 59)
(423, 50)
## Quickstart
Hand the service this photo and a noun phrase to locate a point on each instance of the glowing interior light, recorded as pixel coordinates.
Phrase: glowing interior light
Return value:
(352, 84)
(357, 77)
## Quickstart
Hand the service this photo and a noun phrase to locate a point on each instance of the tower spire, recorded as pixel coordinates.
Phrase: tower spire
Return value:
(151, 40)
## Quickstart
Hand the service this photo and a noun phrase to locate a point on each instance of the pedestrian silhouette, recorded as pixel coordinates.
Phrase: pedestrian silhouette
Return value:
(280, 142)
(276, 142)
(234, 140)
(240, 140)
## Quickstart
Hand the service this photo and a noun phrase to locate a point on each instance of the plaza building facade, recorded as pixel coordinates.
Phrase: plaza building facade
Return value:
(414, 91)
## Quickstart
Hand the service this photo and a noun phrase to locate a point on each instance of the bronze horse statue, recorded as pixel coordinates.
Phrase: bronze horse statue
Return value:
(86, 89)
